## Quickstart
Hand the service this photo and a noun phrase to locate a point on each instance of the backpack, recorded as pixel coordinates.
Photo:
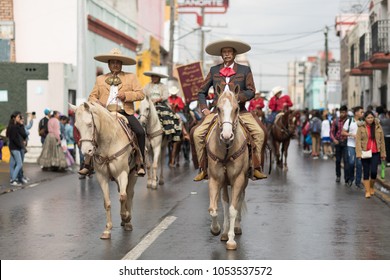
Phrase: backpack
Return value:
(315, 125)
(42, 129)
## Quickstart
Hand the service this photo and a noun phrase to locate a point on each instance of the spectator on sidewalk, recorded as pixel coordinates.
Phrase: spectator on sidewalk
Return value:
(385, 123)
(42, 128)
(369, 137)
(15, 137)
(315, 132)
(325, 136)
(340, 143)
(349, 130)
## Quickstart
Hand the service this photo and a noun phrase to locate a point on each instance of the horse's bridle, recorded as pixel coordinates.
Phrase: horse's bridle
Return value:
(93, 140)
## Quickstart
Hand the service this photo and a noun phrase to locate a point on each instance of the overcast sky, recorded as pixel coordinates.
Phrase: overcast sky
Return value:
(278, 31)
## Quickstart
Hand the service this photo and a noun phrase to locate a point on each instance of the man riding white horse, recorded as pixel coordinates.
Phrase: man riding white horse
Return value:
(117, 91)
(228, 74)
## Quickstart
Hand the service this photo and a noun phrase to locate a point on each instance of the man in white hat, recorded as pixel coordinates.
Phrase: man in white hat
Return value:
(227, 75)
(278, 102)
(117, 91)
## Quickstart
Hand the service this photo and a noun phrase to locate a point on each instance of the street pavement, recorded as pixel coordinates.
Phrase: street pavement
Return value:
(37, 175)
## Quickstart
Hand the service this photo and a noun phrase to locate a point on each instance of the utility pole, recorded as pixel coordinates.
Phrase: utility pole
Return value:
(171, 43)
(326, 67)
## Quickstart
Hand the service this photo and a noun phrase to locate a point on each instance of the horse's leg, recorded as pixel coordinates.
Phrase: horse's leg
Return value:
(237, 187)
(277, 152)
(214, 189)
(225, 205)
(156, 157)
(132, 179)
(237, 224)
(162, 161)
(149, 171)
(103, 181)
(285, 147)
(122, 181)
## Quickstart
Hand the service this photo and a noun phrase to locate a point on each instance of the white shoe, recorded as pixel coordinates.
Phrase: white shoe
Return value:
(24, 180)
(15, 183)
(325, 157)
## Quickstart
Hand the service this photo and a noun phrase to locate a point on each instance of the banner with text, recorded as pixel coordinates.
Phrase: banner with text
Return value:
(191, 78)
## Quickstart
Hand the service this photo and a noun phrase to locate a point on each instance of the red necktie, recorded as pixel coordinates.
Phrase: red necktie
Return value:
(227, 72)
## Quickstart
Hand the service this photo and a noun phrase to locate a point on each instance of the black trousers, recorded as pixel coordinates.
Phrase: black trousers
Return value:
(370, 166)
(342, 154)
(136, 126)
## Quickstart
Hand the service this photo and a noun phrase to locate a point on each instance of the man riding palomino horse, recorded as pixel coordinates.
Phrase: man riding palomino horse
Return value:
(117, 91)
(278, 103)
(227, 75)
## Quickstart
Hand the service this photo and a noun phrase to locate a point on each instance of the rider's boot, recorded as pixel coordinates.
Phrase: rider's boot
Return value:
(257, 174)
(86, 166)
(201, 175)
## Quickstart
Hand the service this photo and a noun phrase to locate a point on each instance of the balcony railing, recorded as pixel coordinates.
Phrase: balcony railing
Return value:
(364, 52)
(380, 36)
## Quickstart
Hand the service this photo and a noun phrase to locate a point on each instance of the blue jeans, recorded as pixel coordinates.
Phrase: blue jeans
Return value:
(15, 164)
(352, 163)
(272, 116)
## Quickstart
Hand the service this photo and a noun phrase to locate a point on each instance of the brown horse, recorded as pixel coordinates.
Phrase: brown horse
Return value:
(281, 131)
(228, 158)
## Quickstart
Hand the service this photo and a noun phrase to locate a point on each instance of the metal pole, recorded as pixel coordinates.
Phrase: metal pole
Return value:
(202, 38)
(326, 68)
(171, 41)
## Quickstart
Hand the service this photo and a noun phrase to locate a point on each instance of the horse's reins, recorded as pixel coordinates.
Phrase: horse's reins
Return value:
(234, 156)
(153, 134)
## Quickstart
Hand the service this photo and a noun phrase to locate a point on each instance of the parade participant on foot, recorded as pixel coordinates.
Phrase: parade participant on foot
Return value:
(117, 91)
(227, 75)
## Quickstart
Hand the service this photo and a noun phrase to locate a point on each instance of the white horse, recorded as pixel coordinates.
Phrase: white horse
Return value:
(228, 158)
(103, 138)
(156, 143)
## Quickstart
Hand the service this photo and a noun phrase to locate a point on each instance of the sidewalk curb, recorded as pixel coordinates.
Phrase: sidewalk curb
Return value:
(381, 195)
(28, 185)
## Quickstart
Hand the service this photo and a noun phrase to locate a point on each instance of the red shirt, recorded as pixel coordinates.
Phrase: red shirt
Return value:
(371, 144)
(278, 104)
(175, 100)
(256, 103)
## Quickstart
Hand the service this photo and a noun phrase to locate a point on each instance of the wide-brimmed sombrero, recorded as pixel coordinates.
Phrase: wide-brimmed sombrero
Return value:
(214, 48)
(173, 90)
(115, 54)
(152, 73)
(276, 90)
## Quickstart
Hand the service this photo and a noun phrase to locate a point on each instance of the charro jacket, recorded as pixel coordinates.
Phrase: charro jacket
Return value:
(242, 78)
(362, 139)
(129, 85)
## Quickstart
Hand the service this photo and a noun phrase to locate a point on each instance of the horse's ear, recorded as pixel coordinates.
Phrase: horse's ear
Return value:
(73, 107)
(86, 106)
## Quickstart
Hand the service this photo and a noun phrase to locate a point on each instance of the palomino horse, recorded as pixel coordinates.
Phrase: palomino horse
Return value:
(228, 158)
(103, 138)
(156, 145)
(282, 130)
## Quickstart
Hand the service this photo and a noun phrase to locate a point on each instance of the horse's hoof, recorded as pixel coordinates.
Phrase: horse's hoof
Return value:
(231, 245)
(237, 231)
(154, 187)
(122, 223)
(106, 235)
(224, 237)
(161, 182)
(215, 233)
(128, 227)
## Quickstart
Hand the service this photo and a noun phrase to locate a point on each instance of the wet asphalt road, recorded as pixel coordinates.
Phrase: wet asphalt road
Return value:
(299, 214)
